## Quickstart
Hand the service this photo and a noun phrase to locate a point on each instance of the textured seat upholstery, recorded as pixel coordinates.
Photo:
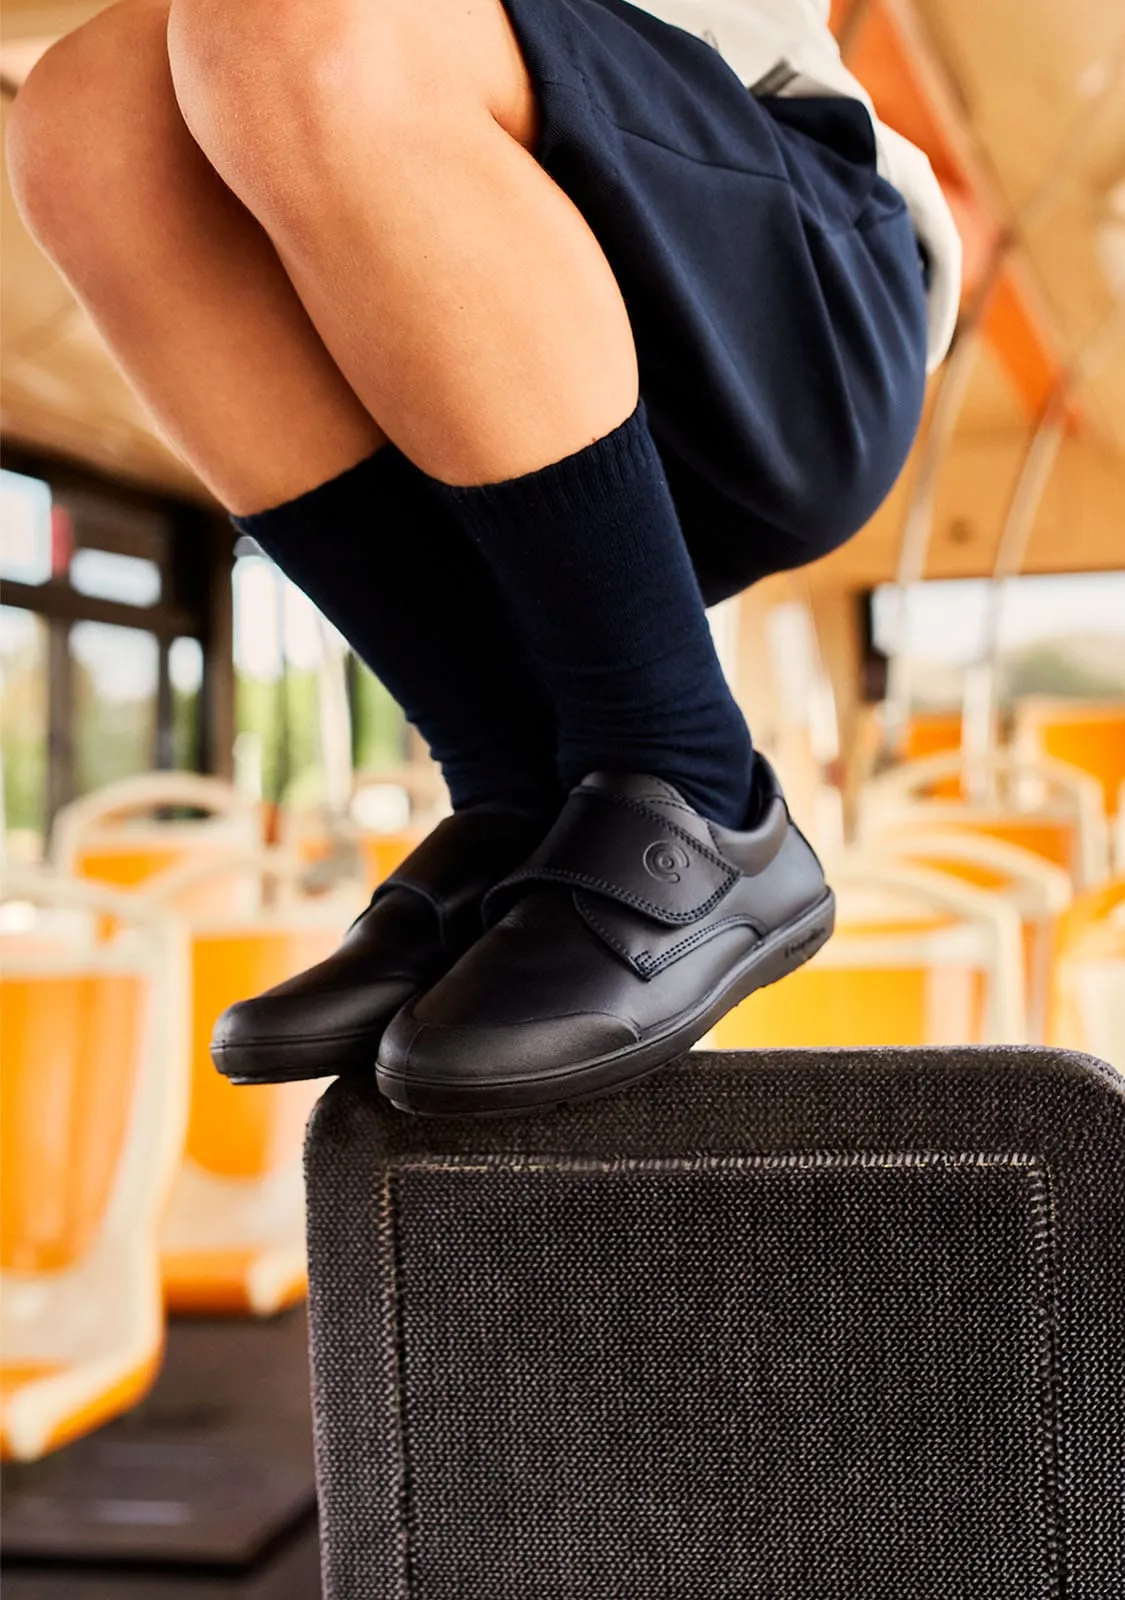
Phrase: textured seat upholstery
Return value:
(774, 1326)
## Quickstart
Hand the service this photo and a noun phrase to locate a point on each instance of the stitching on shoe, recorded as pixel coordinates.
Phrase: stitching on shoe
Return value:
(665, 822)
(657, 964)
(592, 921)
(648, 966)
(613, 891)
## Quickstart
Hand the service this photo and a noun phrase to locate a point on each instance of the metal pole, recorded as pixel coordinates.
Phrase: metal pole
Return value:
(1039, 462)
(918, 525)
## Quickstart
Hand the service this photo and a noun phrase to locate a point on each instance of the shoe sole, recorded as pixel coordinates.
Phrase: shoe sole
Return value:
(296, 1059)
(770, 961)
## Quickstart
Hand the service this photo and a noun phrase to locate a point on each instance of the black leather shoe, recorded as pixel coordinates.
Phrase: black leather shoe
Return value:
(628, 933)
(330, 1019)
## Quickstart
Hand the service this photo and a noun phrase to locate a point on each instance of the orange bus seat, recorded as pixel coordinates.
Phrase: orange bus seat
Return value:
(946, 969)
(1052, 810)
(378, 853)
(1087, 997)
(850, 1003)
(1039, 890)
(933, 733)
(384, 852)
(1087, 734)
(93, 1104)
(116, 835)
(233, 1240)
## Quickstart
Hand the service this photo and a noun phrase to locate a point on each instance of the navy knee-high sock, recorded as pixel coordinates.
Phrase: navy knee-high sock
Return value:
(390, 568)
(591, 556)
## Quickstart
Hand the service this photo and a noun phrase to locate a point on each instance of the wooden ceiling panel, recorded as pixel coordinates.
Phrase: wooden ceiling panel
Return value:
(1044, 85)
(34, 300)
(44, 19)
(1068, 267)
(70, 399)
(1027, 71)
(1106, 398)
(1079, 526)
(993, 403)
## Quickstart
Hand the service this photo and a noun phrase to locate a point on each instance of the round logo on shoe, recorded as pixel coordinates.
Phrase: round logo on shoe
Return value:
(665, 861)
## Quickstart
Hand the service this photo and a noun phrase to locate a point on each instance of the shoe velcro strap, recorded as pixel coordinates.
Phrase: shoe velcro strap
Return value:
(628, 852)
(461, 858)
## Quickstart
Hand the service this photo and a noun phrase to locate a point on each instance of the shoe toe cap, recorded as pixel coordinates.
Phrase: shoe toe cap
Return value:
(336, 1028)
(463, 1054)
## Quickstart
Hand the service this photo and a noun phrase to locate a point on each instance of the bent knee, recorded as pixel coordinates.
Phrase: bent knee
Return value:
(266, 86)
(251, 76)
(81, 115)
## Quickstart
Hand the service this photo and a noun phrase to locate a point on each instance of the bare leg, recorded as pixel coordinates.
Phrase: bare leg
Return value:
(183, 283)
(458, 289)
(200, 313)
(382, 145)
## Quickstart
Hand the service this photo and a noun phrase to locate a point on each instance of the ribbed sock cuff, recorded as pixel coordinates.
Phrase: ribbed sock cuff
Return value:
(573, 487)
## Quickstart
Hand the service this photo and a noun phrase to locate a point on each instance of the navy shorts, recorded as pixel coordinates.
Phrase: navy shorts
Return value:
(772, 277)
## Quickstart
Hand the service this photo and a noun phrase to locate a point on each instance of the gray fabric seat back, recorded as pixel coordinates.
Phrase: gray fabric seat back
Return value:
(772, 1326)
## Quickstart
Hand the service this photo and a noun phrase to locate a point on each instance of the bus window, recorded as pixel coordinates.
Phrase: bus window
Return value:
(115, 685)
(108, 575)
(378, 725)
(279, 646)
(23, 729)
(25, 528)
(1060, 634)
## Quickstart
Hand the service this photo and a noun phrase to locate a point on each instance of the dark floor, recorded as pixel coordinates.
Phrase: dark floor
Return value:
(204, 1492)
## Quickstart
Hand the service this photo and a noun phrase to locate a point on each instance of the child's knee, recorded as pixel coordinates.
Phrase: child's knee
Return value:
(273, 89)
(73, 129)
